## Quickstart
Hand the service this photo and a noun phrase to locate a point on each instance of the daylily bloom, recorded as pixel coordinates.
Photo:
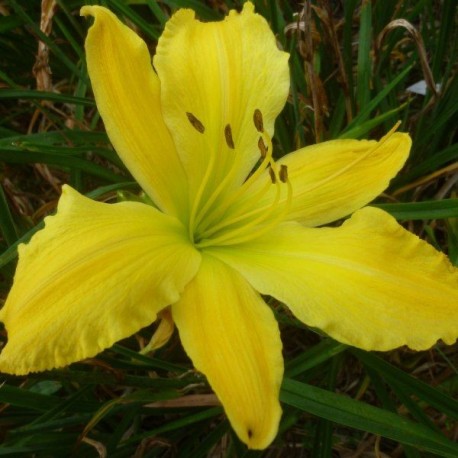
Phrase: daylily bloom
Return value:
(223, 231)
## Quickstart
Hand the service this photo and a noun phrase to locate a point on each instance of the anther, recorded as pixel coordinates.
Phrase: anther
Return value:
(258, 121)
(195, 123)
(262, 147)
(283, 174)
(228, 135)
(273, 177)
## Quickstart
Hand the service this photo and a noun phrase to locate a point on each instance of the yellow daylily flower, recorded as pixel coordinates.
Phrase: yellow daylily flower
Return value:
(191, 129)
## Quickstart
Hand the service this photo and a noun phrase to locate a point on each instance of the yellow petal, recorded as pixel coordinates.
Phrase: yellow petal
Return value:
(127, 92)
(163, 332)
(232, 337)
(332, 179)
(95, 274)
(369, 283)
(215, 75)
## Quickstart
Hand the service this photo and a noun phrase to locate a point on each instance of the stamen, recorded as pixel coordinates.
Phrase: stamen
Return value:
(229, 223)
(195, 123)
(246, 232)
(195, 200)
(228, 136)
(258, 121)
(266, 161)
(228, 237)
(262, 147)
(273, 177)
(241, 214)
(266, 148)
(222, 185)
(283, 175)
(218, 214)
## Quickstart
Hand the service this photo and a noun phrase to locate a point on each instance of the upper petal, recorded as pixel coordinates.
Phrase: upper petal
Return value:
(332, 179)
(232, 337)
(127, 92)
(369, 283)
(219, 73)
(95, 274)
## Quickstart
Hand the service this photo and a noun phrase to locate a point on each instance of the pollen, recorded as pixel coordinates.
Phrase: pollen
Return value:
(258, 121)
(195, 123)
(237, 217)
(273, 177)
(228, 136)
(283, 175)
(262, 148)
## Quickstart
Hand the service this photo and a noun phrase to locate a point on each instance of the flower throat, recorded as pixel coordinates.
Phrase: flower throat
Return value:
(228, 219)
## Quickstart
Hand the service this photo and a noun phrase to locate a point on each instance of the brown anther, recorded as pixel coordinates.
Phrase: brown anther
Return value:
(195, 123)
(228, 135)
(262, 147)
(273, 177)
(258, 121)
(283, 174)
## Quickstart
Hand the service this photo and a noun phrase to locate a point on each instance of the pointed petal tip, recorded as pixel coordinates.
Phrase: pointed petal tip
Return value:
(404, 139)
(93, 10)
(88, 10)
(85, 10)
(258, 435)
(245, 366)
(69, 194)
(179, 18)
(248, 8)
(100, 14)
(261, 438)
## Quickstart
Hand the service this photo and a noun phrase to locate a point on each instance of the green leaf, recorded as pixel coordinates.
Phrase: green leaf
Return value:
(181, 423)
(147, 28)
(42, 95)
(318, 354)
(365, 113)
(364, 66)
(359, 131)
(432, 209)
(11, 252)
(33, 25)
(15, 157)
(28, 399)
(434, 397)
(429, 165)
(355, 414)
(7, 226)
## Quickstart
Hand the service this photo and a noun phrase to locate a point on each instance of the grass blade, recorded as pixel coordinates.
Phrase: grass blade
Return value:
(431, 209)
(355, 414)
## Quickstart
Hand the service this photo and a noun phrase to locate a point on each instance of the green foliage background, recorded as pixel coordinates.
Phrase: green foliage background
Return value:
(351, 66)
